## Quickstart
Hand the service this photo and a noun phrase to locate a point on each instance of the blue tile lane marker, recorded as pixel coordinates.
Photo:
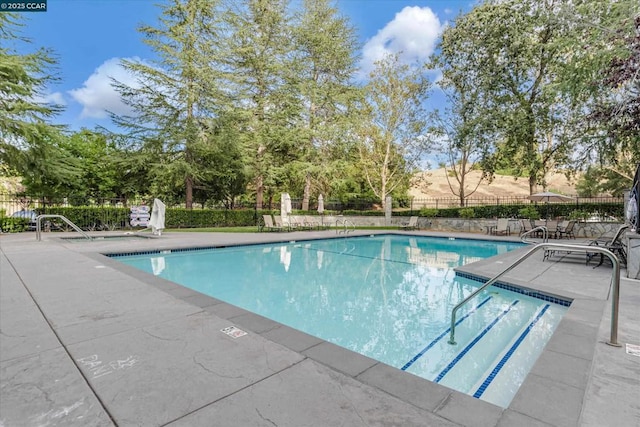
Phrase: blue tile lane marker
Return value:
(439, 337)
(509, 353)
(474, 342)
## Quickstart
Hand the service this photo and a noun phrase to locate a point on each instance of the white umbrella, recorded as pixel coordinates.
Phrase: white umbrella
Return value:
(285, 207)
(321, 208)
(157, 217)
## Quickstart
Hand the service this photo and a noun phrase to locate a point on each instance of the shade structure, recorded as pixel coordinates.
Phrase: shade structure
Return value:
(548, 197)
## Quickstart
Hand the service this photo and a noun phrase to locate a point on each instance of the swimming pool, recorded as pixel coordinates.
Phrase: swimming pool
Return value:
(387, 297)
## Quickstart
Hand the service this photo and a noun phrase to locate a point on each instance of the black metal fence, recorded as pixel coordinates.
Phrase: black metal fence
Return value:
(11, 203)
(453, 202)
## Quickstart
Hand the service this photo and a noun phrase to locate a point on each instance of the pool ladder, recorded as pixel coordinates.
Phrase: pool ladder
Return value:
(615, 282)
(540, 228)
(347, 226)
(64, 218)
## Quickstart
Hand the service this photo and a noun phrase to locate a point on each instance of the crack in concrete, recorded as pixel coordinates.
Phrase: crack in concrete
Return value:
(159, 337)
(213, 371)
(265, 418)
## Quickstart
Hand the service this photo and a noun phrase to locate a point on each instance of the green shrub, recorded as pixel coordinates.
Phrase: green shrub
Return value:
(528, 212)
(579, 215)
(13, 225)
(466, 213)
(429, 212)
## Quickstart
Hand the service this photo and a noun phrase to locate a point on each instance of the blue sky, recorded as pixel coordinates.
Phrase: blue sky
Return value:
(90, 37)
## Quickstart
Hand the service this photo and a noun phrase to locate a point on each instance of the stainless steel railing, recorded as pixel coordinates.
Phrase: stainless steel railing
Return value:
(545, 234)
(615, 281)
(65, 219)
(347, 225)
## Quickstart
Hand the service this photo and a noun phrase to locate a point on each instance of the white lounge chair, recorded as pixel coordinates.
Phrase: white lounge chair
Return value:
(411, 225)
(269, 224)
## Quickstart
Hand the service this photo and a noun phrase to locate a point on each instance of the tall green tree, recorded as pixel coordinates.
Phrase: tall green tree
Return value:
(325, 51)
(178, 92)
(393, 130)
(226, 181)
(616, 109)
(511, 50)
(464, 138)
(28, 141)
(96, 154)
(258, 51)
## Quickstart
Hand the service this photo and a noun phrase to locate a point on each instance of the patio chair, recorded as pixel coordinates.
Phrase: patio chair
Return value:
(298, 223)
(277, 219)
(502, 227)
(566, 230)
(614, 244)
(525, 225)
(411, 225)
(269, 224)
(314, 223)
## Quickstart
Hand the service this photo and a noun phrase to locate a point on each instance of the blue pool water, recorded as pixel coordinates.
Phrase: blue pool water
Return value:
(387, 297)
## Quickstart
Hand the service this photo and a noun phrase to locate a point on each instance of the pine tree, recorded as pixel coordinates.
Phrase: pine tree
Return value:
(326, 59)
(260, 65)
(178, 93)
(27, 138)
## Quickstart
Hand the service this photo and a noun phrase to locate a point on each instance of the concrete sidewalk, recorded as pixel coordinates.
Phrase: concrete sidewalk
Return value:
(85, 340)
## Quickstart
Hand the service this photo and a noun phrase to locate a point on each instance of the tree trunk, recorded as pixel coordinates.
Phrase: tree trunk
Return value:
(259, 192)
(461, 192)
(189, 193)
(307, 192)
(532, 184)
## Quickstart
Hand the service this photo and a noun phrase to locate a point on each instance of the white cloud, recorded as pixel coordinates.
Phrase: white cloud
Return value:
(97, 96)
(414, 31)
(50, 98)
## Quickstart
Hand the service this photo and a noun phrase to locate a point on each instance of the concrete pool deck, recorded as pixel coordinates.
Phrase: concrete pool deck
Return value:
(88, 341)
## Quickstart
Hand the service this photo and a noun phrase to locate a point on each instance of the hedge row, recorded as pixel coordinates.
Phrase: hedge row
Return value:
(91, 218)
(583, 211)
(100, 218)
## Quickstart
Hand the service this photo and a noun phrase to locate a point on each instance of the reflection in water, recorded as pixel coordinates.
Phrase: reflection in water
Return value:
(320, 256)
(157, 265)
(383, 296)
(285, 257)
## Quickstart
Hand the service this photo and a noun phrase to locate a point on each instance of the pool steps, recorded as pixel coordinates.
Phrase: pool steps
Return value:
(489, 353)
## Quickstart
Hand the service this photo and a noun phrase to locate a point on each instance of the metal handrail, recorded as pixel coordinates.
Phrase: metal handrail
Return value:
(345, 224)
(348, 223)
(65, 219)
(545, 234)
(615, 281)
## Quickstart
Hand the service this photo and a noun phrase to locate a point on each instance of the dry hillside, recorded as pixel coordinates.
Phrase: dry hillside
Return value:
(501, 186)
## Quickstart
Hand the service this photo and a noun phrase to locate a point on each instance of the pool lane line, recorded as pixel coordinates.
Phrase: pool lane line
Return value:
(474, 342)
(360, 256)
(505, 358)
(439, 337)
